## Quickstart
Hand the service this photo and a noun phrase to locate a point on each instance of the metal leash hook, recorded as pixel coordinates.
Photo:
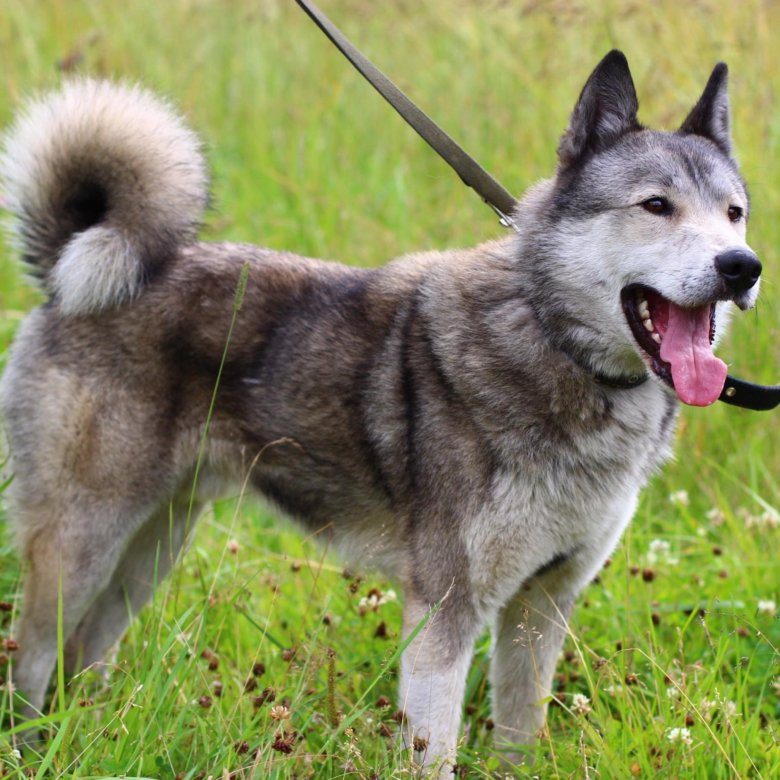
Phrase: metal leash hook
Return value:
(736, 392)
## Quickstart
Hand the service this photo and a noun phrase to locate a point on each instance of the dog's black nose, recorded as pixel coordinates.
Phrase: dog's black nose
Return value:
(739, 269)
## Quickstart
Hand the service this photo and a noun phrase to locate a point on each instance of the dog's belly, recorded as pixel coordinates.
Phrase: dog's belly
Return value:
(335, 500)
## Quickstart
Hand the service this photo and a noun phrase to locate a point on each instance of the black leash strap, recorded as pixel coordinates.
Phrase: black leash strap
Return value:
(469, 170)
(735, 391)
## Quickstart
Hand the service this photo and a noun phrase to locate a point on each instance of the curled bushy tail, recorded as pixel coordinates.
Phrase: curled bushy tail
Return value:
(103, 182)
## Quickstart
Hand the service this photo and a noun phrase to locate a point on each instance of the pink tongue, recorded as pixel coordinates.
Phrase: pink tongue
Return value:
(698, 375)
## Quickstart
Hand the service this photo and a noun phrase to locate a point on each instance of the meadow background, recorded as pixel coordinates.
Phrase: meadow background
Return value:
(261, 657)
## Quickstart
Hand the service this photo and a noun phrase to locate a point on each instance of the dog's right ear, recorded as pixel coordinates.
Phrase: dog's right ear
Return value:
(606, 110)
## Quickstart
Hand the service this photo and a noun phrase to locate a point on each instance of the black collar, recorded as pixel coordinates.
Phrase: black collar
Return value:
(736, 392)
(621, 382)
(760, 398)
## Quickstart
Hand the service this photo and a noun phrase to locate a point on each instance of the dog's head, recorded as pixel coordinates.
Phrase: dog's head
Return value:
(657, 221)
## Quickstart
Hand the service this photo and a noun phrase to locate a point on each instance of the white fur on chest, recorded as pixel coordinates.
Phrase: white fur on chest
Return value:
(576, 506)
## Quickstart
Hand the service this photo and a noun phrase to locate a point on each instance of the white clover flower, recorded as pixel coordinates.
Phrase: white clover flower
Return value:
(729, 708)
(768, 607)
(658, 548)
(659, 551)
(580, 704)
(375, 599)
(683, 736)
(707, 708)
(770, 518)
(679, 497)
(279, 712)
(716, 516)
(673, 692)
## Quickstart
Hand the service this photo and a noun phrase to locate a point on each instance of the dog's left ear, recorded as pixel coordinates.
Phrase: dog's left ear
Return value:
(710, 117)
(606, 110)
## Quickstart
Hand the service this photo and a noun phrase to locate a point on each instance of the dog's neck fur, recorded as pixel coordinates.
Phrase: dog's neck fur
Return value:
(504, 344)
(580, 339)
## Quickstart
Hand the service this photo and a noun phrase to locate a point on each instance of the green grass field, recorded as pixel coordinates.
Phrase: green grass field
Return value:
(260, 656)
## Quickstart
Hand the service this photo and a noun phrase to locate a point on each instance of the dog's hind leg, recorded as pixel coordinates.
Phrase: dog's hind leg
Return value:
(146, 561)
(71, 555)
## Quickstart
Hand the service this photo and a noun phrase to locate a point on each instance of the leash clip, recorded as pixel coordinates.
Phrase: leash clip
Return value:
(504, 219)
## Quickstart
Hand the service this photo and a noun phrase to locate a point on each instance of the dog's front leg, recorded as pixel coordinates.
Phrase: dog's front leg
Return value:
(434, 668)
(528, 637)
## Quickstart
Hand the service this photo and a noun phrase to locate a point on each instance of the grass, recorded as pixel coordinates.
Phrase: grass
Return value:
(259, 657)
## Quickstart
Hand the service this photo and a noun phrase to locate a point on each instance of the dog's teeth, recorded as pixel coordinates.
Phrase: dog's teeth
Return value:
(656, 338)
(644, 310)
(648, 323)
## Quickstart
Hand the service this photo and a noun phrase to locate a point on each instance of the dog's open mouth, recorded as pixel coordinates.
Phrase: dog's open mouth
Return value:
(676, 342)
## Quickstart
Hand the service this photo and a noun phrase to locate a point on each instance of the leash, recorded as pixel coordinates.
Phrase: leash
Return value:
(736, 392)
(470, 171)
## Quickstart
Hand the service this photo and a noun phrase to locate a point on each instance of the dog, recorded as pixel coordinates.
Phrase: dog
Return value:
(477, 424)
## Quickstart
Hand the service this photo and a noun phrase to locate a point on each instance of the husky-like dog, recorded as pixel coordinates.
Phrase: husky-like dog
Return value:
(476, 423)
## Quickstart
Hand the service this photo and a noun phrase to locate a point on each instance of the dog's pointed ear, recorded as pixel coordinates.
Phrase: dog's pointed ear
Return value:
(710, 117)
(605, 111)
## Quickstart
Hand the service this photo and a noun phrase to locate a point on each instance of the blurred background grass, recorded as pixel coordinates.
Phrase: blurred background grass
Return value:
(306, 157)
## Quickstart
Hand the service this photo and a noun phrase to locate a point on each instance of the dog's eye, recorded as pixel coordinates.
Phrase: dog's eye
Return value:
(659, 206)
(735, 213)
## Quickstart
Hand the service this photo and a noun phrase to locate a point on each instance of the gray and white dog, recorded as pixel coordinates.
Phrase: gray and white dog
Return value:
(476, 423)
